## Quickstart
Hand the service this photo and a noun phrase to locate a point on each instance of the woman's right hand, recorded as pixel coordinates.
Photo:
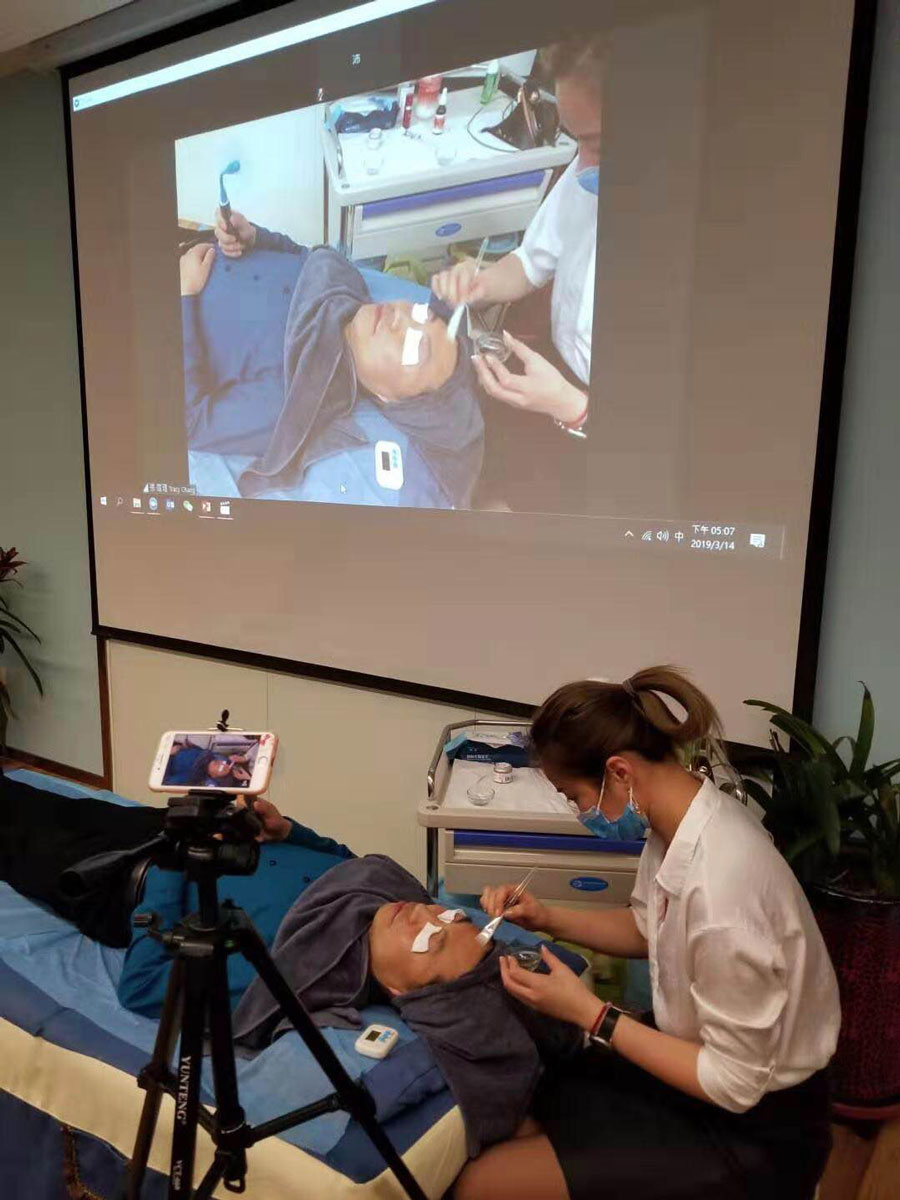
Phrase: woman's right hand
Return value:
(528, 911)
(460, 285)
(236, 235)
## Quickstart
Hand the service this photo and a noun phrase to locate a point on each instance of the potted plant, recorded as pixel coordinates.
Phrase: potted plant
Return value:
(12, 630)
(836, 819)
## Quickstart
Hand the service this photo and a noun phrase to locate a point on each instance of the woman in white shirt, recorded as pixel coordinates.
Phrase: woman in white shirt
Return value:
(559, 245)
(725, 1095)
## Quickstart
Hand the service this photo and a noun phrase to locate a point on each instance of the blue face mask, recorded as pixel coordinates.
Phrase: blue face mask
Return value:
(630, 827)
(589, 179)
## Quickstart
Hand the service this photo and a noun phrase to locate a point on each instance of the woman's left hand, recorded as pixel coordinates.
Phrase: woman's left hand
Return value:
(542, 388)
(560, 994)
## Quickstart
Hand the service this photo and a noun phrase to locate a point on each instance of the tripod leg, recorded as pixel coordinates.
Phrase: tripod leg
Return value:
(354, 1099)
(230, 1162)
(150, 1078)
(187, 1081)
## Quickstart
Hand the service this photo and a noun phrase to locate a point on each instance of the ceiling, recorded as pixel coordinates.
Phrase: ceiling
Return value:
(24, 21)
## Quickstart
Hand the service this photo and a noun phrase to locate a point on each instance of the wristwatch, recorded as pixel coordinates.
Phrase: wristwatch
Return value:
(578, 431)
(601, 1034)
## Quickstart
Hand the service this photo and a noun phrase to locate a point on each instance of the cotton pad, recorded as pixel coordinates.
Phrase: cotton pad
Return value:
(449, 915)
(411, 343)
(424, 936)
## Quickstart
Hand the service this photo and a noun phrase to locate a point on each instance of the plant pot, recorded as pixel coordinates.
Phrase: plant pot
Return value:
(863, 938)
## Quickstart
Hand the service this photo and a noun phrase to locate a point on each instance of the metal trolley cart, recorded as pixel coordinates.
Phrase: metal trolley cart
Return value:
(477, 846)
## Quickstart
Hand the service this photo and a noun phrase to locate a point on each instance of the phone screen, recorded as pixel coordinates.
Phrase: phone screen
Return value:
(211, 760)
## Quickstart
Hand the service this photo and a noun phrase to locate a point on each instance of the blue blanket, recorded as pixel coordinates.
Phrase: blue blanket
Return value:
(61, 986)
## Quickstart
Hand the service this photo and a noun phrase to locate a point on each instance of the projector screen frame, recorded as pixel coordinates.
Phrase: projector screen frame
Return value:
(836, 340)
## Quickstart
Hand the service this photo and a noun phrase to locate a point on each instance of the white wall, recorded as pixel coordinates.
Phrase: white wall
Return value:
(351, 763)
(42, 509)
(279, 184)
(861, 626)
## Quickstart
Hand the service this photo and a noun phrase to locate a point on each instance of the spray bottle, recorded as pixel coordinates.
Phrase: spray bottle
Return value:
(491, 81)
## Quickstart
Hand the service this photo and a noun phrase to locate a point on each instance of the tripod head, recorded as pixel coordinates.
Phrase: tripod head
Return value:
(211, 829)
(206, 834)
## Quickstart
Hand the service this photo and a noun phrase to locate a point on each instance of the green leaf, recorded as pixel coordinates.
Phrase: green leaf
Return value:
(889, 799)
(10, 640)
(11, 621)
(757, 792)
(824, 799)
(804, 734)
(863, 747)
(803, 843)
(882, 773)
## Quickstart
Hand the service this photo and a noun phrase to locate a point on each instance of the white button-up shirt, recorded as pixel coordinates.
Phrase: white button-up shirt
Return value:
(561, 244)
(737, 962)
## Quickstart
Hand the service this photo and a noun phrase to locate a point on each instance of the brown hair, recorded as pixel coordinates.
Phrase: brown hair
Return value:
(584, 57)
(582, 724)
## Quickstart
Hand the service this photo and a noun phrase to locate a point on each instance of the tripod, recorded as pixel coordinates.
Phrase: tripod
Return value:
(197, 999)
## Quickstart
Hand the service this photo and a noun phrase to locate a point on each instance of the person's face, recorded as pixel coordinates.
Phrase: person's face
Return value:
(218, 768)
(584, 793)
(578, 101)
(451, 953)
(376, 336)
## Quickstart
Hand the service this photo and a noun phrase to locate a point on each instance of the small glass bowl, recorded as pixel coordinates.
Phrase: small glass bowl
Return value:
(528, 960)
(445, 152)
(493, 344)
(480, 793)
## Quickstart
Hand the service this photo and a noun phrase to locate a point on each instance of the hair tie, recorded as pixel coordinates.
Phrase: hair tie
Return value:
(630, 691)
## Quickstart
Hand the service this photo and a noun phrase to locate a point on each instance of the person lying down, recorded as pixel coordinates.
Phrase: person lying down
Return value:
(345, 932)
(367, 932)
(285, 353)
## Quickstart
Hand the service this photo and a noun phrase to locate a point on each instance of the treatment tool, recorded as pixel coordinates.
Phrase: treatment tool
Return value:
(454, 322)
(224, 203)
(490, 929)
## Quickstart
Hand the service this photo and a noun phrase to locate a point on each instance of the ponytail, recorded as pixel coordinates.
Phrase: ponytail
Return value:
(584, 723)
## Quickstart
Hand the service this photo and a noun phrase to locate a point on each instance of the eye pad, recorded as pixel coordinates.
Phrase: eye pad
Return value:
(449, 915)
(411, 343)
(424, 936)
(421, 313)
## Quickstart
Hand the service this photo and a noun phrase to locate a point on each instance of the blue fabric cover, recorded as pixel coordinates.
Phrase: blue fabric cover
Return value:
(56, 984)
(61, 986)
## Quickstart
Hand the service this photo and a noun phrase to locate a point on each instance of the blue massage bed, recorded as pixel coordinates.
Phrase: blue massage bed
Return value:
(69, 1103)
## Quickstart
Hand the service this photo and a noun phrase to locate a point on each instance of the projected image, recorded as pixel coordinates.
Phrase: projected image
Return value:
(215, 760)
(387, 300)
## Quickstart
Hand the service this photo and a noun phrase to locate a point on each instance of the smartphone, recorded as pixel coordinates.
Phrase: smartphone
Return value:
(238, 761)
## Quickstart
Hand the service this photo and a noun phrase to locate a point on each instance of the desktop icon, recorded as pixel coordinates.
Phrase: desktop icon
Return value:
(153, 503)
(103, 501)
(647, 535)
(225, 508)
(119, 501)
(206, 506)
(136, 502)
(170, 504)
(188, 507)
(758, 541)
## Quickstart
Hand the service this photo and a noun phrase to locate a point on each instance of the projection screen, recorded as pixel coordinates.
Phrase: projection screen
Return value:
(292, 455)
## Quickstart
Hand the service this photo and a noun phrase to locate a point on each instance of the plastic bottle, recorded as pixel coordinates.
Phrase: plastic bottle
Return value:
(440, 116)
(491, 81)
(428, 91)
(408, 107)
